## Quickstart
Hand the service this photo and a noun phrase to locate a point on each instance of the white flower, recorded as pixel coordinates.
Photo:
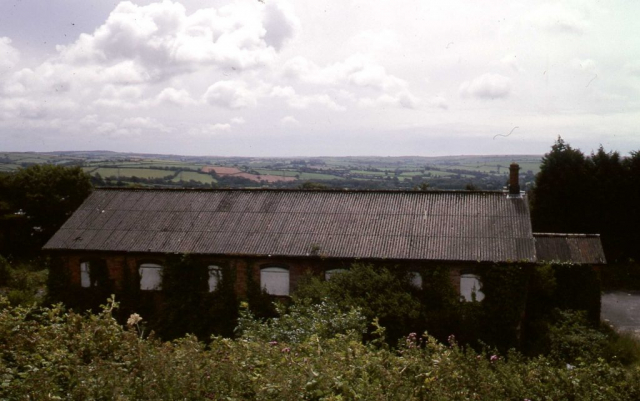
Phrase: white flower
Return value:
(134, 319)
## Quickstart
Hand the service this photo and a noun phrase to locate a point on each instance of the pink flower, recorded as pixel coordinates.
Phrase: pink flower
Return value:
(494, 358)
(286, 350)
(273, 343)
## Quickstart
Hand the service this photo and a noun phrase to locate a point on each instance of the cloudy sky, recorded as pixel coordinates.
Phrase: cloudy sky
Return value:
(333, 77)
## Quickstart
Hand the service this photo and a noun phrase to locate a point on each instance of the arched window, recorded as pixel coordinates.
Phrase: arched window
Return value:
(415, 278)
(275, 280)
(150, 276)
(471, 288)
(215, 275)
(85, 274)
(329, 273)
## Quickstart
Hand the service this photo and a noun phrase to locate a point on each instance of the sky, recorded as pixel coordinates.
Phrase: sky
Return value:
(322, 78)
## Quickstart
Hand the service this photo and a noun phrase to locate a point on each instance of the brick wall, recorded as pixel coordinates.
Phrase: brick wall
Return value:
(117, 264)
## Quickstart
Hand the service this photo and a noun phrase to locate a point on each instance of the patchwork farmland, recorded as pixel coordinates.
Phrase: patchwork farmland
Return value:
(128, 169)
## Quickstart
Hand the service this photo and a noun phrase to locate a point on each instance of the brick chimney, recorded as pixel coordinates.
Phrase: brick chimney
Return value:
(514, 182)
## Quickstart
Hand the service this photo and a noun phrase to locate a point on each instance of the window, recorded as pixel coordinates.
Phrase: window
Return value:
(215, 275)
(85, 274)
(93, 273)
(275, 280)
(470, 288)
(415, 278)
(329, 273)
(150, 276)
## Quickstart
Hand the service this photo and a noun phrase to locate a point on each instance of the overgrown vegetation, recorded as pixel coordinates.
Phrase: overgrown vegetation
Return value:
(53, 354)
(23, 283)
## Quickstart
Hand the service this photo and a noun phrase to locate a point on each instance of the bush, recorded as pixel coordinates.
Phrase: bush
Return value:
(301, 321)
(376, 291)
(573, 339)
(50, 353)
(24, 283)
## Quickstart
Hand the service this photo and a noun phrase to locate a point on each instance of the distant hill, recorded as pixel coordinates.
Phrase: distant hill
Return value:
(368, 172)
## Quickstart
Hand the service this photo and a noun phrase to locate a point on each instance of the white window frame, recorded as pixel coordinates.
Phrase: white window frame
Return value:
(85, 274)
(329, 273)
(470, 284)
(215, 276)
(150, 276)
(415, 279)
(275, 280)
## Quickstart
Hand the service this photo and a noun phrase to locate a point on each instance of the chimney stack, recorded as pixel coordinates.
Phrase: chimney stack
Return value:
(514, 181)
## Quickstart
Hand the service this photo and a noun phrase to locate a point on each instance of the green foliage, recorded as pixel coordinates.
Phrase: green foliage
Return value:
(5, 271)
(558, 201)
(622, 347)
(501, 312)
(574, 340)
(260, 302)
(441, 310)
(47, 194)
(590, 194)
(53, 354)
(302, 321)
(184, 283)
(188, 307)
(377, 291)
(313, 185)
(24, 282)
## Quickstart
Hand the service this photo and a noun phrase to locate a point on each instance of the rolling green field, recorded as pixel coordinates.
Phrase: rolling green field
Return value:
(450, 172)
(187, 176)
(129, 172)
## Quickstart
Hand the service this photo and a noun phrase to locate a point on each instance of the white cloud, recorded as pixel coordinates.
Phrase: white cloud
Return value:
(511, 60)
(280, 24)
(142, 122)
(556, 17)
(230, 94)
(120, 96)
(378, 41)
(297, 101)
(487, 86)
(289, 121)
(9, 56)
(356, 70)
(165, 41)
(439, 102)
(177, 97)
(402, 99)
(632, 68)
(586, 65)
(238, 120)
(206, 130)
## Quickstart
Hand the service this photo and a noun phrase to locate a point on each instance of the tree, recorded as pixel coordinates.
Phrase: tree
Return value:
(48, 195)
(559, 200)
(594, 194)
(313, 185)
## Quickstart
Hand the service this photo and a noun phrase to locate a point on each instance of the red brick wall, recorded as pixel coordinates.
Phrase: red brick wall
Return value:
(116, 265)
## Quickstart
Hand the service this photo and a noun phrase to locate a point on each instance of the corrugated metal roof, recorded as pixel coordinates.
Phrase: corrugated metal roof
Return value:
(572, 248)
(448, 225)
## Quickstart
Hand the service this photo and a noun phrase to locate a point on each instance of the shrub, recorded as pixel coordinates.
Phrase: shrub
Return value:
(301, 321)
(573, 339)
(376, 291)
(49, 353)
